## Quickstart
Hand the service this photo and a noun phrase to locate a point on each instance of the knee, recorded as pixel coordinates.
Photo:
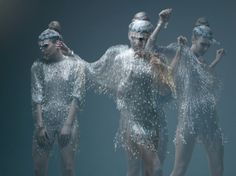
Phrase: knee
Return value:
(179, 170)
(69, 169)
(152, 170)
(133, 171)
(158, 171)
(218, 171)
(39, 171)
(40, 166)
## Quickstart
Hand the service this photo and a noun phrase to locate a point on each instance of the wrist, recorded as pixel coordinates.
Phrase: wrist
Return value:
(68, 124)
(39, 128)
(39, 124)
(160, 22)
(71, 52)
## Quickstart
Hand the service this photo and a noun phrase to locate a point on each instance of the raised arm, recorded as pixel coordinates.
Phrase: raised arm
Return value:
(164, 16)
(219, 54)
(64, 49)
(182, 41)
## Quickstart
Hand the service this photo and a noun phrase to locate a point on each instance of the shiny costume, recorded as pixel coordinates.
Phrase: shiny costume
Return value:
(197, 94)
(130, 81)
(54, 85)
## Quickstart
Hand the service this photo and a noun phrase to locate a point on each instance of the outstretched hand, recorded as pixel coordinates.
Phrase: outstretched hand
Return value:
(220, 53)
(182, 41)
(64, 48)
(165, 15)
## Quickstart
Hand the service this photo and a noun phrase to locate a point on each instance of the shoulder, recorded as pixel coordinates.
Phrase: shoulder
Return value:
(37, 65)
(117, 49)
(76, 64)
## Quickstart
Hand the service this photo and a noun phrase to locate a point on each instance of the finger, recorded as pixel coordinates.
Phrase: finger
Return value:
(63, 140)
(44, 139)
(224, 51)
(168, 11)
(41, 141)
(220, 51)
(67, 139)
(46, 136)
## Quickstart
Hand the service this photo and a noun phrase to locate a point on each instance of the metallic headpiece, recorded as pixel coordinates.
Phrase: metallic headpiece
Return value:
(49, 34)
(140, 28)
(205, 32)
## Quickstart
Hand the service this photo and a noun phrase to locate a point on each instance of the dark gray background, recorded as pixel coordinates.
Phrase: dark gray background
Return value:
(89, 28)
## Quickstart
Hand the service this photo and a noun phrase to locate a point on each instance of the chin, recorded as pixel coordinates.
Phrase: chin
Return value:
(46, 58)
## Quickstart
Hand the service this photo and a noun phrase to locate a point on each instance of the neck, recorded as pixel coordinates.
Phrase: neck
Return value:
(58, 56)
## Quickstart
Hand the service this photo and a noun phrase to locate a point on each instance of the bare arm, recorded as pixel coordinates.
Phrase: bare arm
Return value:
(163, 19)
(64, 49)
(77, 94)
(219, 54)
(181, 41)
(72, 113)
(37, 114)
(68, 124)
(36, 85)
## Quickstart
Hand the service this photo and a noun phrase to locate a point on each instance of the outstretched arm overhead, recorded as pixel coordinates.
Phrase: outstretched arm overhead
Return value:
(164, 16)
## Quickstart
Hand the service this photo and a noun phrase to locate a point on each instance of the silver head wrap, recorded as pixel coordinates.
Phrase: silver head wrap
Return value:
(140, 28)
(205, 32)
(49, 34)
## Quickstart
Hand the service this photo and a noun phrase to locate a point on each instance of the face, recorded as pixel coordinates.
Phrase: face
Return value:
(48, 49)
(137, 43)
(201, 45)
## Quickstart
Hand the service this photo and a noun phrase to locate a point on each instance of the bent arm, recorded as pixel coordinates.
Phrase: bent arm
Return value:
(153, 37)
(219, 54)
(182, 41)
(164, 16)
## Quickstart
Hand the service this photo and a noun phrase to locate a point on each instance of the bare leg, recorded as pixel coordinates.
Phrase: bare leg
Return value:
(151, 162)
(215, 154)
(134, 165)
(162, 148)
(68, 154)
(40, 159)
(183, 154)
(134, 157)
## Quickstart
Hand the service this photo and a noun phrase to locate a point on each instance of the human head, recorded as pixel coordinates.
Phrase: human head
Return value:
(141, 16)
(47, 43)
(139, 30)
(55, 25)
(202, 21)
(202, 38)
